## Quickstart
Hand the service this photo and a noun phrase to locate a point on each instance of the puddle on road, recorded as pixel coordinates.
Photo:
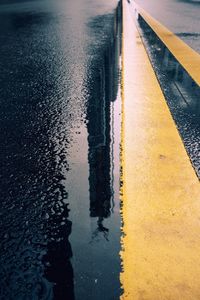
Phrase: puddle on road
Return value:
(181, 92)
(60, 210)
(95, 210)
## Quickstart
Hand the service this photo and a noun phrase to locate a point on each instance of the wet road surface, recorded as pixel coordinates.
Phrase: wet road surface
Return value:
(182, 17)
(60, 135)
(181, 92)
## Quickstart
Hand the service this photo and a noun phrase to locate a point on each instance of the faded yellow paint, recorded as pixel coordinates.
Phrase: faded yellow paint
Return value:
(187, 57)
(161, 192)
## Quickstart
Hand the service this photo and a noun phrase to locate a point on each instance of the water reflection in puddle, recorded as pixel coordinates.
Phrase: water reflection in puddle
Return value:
(60, 176)
(95, 217)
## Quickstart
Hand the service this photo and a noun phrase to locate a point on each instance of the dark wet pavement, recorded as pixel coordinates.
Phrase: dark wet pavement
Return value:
(59, 122)
(180, 16)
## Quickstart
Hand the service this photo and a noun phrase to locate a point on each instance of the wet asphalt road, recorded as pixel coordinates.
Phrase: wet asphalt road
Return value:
(182, 94)
(60, 127)
(60, 135)
(180, 16)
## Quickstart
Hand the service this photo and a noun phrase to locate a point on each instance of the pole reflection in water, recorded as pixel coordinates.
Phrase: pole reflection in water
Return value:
(85, 274)
(95, 213)
(181, 92)
(60, 125)
(100, 127)
(58, 268)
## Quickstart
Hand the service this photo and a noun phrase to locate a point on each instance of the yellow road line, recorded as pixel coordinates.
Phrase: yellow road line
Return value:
(161, 192)
(187, 57)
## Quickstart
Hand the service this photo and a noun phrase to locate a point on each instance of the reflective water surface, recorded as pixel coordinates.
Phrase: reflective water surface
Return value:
(60, 135)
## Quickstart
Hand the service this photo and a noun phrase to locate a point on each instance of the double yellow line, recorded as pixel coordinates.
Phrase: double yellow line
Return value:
(160, 193)
(186, 56)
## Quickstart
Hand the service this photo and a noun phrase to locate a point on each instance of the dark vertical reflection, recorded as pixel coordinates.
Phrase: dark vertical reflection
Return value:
(43, 102)
(99, 129)
(58, 268)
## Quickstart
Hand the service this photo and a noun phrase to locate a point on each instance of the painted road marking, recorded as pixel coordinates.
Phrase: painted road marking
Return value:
(186, 56)
(160, 193)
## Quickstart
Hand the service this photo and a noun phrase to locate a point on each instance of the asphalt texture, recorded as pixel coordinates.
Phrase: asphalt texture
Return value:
(59, 153)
